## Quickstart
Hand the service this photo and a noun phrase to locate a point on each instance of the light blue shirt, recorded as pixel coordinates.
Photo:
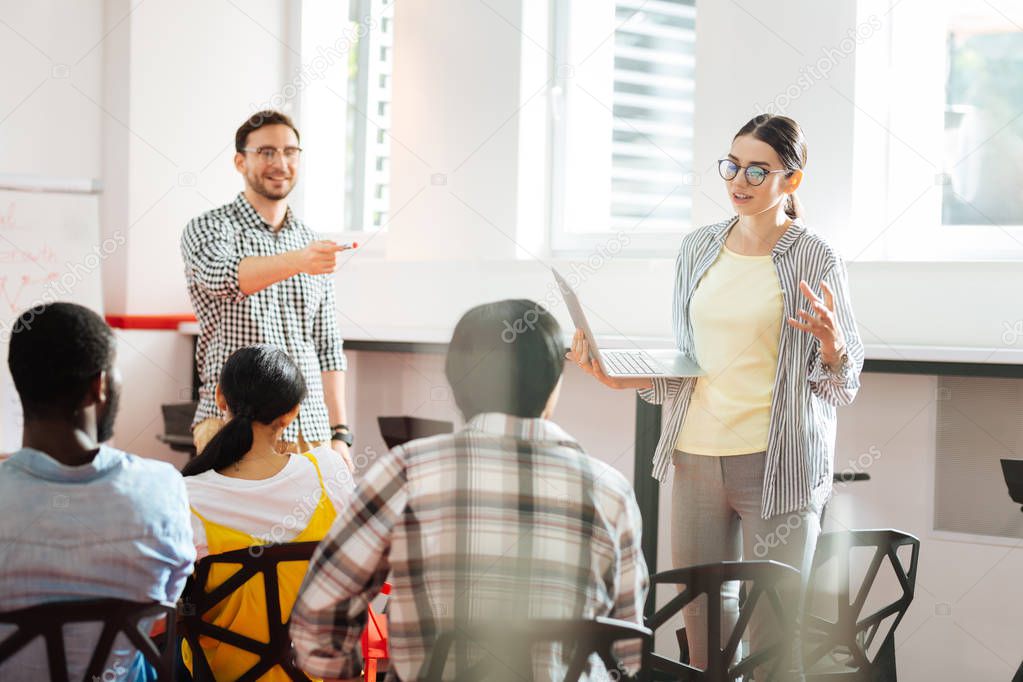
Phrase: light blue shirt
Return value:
(115, 527)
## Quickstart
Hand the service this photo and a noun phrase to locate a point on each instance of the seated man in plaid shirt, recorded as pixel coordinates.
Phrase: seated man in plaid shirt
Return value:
(507, 519)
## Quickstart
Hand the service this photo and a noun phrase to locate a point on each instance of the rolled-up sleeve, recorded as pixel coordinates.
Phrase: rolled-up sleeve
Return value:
(326, 335)
(211, 259)
(661, 391)
(839, 388)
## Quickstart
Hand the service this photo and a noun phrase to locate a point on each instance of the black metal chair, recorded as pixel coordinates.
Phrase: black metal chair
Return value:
(762, 579)
(838, 650)
(117, 616)
(400, 430)
(197, 602)
(502, 649)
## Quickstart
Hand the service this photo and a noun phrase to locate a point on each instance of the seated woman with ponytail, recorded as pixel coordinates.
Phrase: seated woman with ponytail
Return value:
(244, 493)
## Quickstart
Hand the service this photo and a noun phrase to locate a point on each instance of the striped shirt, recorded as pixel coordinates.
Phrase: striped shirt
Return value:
(801, 438)
(297, 314)
(506, 519)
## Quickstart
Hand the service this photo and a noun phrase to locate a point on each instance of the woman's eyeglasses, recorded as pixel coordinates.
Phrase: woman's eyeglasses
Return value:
(755, 175)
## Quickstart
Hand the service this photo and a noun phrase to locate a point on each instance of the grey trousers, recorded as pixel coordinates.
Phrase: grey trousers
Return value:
(716, 517)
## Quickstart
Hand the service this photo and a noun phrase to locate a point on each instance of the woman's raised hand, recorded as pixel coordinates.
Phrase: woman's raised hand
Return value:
(580, 355)
(824, 324)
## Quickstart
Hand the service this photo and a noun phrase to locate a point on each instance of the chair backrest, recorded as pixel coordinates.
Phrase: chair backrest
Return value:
(1012, 470)
(852, 631)
(501, 644)
(400, 430)
(196, 602)
(117, 616)
(762, 579)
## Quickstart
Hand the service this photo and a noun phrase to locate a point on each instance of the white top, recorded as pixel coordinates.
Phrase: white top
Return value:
(274, 509)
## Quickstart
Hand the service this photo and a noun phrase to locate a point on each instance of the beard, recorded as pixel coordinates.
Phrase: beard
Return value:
(105, 421)
(260, 187)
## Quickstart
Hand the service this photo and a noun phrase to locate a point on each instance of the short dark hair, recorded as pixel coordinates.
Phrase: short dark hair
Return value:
(56, 351)
(505, 357)
(267, 117)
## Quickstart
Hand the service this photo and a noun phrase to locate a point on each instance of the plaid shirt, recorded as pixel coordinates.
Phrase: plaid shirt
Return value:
(297, 314)
(507, 519)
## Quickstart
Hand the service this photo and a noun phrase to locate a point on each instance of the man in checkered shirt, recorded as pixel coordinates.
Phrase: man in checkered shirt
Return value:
(257, 274)
(507, 520)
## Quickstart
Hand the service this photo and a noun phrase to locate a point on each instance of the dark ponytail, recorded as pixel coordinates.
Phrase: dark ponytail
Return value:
(259, 383)
(786, 138)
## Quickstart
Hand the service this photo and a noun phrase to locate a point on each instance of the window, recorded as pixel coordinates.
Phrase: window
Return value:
(622, 123)
(343, 83)
(983, 121)
(369, 114)
(940, 139)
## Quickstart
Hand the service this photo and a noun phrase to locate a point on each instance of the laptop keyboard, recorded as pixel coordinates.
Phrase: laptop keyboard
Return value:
(637, 363)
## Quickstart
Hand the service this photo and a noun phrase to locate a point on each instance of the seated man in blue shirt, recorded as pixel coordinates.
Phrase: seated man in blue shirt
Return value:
(81, 520)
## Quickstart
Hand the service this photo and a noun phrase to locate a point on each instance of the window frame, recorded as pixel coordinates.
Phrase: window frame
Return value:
(633, 244)
(912, 224)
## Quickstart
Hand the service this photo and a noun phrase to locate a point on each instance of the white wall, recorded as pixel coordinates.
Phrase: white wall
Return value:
(195, 70)
(455, 151)
(49, 122)
(157, 367)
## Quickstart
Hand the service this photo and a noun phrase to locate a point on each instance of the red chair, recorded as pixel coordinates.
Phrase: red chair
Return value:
(374, 639)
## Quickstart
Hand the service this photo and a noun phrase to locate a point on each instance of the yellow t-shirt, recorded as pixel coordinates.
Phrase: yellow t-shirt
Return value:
(736, 314)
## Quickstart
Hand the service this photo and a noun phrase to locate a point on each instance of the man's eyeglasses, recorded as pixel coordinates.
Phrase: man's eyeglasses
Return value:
(268, 154)
(755, 175)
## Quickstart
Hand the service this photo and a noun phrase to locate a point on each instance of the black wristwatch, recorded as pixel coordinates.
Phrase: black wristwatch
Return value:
(340, 432)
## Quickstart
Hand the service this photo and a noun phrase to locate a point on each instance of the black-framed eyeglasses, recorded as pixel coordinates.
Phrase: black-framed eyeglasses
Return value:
(268, 154)
(755, 175)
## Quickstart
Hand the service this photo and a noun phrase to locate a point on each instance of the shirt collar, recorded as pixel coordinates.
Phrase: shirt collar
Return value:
(41, 465)
(498, 424)
(793, 233)
(251, 215)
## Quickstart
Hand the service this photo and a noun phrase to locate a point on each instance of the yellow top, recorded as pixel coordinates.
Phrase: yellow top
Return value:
(244, 611)
(736, 315)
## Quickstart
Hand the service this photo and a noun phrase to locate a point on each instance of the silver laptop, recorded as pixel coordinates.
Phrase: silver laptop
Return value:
(638, 363)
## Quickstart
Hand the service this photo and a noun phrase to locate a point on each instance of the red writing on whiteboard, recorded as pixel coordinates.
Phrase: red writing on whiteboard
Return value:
(7, 217)
(44, 254)
(13, 289)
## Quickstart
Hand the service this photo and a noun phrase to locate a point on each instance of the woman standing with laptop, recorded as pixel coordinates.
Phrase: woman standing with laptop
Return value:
(763, 305)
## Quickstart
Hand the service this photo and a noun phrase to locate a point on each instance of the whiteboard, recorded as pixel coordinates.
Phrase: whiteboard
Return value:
(50, 250)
